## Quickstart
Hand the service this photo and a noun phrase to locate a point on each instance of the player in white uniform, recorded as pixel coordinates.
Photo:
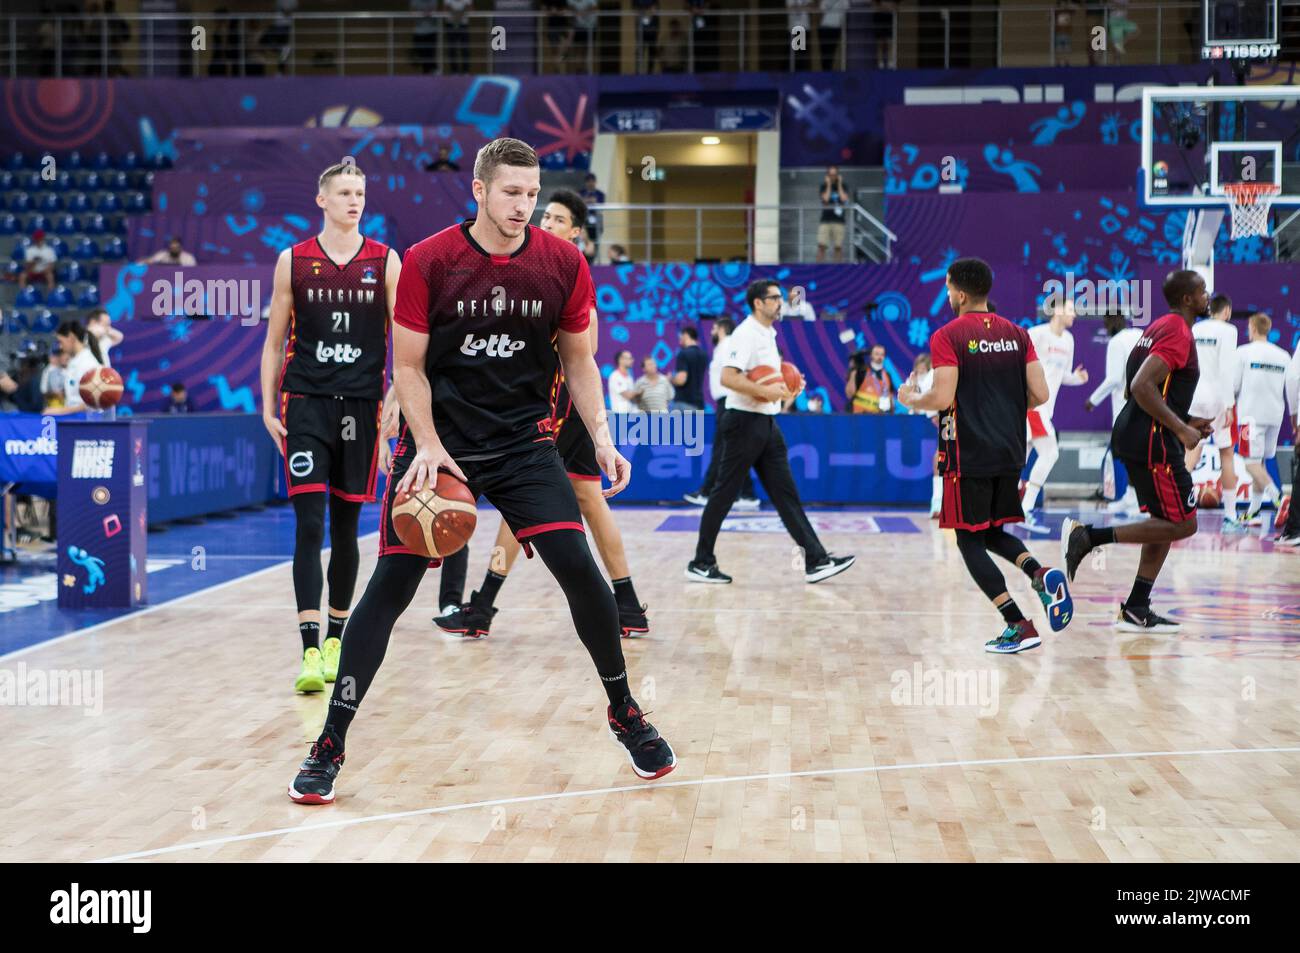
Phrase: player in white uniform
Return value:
(1122, 339)
(1216, 353)
(1260, 385)
(1055, 346)
(923, 378)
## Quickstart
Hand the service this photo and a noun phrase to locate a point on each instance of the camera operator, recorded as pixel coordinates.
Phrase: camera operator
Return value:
(830, 231)
(869, 387)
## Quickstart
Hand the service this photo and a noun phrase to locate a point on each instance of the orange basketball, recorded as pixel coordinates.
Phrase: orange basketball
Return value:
(101, 387)
(793, 378)
(436, 522)
(764, 374)
(1210, 497)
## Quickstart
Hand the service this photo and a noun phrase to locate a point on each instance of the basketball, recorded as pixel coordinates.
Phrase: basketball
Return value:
(764, 374)
(1210, 496)
(101, 387)
(793, 378)
(436, 522)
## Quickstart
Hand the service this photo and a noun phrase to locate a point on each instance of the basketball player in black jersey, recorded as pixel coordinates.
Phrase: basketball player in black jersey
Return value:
(564, 217)
(323, 369)
(482, 311)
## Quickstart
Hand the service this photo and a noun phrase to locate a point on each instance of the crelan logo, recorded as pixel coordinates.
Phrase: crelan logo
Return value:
(992, 347)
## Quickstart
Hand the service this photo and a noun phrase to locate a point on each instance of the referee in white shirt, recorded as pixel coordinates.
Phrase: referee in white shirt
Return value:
(753, 439)
(722, 329)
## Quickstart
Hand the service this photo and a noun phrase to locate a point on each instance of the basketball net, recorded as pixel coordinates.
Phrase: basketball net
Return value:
(1250, 203)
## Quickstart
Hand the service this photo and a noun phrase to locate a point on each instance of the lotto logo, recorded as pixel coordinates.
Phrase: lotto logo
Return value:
(498, 345)
(340, 353)
(92, 459)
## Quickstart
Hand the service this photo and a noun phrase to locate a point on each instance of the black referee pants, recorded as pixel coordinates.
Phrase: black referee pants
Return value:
(1292, 525)
(755, 440)
(711, 474)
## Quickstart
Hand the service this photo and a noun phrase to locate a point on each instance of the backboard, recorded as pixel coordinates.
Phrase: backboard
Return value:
(1239, 29)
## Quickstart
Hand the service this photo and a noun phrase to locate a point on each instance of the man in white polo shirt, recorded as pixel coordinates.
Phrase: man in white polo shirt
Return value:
(753, 439)
(1260, 384)
(1216, 353)
(747, 500)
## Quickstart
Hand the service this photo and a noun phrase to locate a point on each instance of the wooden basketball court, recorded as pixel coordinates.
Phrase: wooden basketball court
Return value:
(856, 720)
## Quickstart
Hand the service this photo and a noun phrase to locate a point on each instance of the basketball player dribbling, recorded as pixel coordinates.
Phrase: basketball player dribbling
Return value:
(564, 217)
(482, 310)
(332, 299)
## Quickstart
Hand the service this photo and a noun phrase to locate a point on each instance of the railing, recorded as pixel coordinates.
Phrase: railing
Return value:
(889, 34)
(763, 234)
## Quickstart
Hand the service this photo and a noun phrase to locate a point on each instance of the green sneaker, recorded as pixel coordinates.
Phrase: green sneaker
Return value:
(1014, 638)
(312, 676)
(329, 653)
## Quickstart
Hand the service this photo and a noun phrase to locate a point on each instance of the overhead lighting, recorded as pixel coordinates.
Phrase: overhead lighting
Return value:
(710, 140)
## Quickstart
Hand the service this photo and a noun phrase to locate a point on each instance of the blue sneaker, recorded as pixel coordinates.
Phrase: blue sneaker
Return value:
(1053, 588)
(1015, 638)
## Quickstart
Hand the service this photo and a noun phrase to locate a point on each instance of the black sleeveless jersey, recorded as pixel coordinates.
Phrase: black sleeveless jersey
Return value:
(338, 332)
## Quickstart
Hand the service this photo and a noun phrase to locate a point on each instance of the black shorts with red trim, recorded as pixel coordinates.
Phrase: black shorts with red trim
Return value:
(576, 449)
(978, 502)
(333, 445)
(529, 489)
(1164, 490)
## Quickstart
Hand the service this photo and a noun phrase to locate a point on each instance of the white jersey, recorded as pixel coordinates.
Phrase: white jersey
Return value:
(750, 345)
(1216, 348)
(1117, 351)
(923, 385)
(77, 368)
(1260, 382)
(1056, 354)
(716, 390)
(619, 385)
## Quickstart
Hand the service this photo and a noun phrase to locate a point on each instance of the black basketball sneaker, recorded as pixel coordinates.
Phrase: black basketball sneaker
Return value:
(651, 755)
(632, 621)
(1075, 545)
(830, 566)
(1142, 619)
(700, 572)
(315, 781)
(471, 621)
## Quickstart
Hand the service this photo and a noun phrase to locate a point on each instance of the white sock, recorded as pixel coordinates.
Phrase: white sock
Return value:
(936, 490)
(1272, 493)
(1031, 496)
(1256, 501)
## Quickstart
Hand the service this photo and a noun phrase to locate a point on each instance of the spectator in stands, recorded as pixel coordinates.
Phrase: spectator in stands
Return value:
(173, 254)
(704, 24)
(52, 377)
(674, 53)
(653, 393)
(276, 38)
(558, 34)
(81, 358)
(692, 371)
(584, 30)
(424, 38)
(38, 262)
(620, 382)
(829, 31)
(647, 26)
(883, 22)
(100, 326)
(119, 34)
(225, 45)
(443, 163)
(618, 255)
(592, 195)
(24, 387)
(457, 36)
(178, 400)
(797, 305)
(869, 385)
(798, 20)
(830, 231)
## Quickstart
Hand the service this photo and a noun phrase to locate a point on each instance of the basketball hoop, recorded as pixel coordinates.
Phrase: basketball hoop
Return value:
(1250, 203)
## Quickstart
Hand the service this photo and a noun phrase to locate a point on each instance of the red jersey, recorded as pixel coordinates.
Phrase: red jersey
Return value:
(1136, 435)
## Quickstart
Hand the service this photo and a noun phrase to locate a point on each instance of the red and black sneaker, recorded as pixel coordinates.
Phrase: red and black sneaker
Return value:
(651, 755)
(315, 781)
(632, 621)
(471, 621)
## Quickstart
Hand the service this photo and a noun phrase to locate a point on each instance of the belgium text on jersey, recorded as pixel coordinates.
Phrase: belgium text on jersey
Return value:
(213, 298)
(499, 306)
(673, 428)
(134, 907)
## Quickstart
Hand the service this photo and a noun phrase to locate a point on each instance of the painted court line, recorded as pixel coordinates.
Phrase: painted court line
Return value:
(699, 782)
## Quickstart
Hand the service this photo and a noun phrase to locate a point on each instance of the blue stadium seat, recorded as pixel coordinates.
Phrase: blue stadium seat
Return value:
(114, 248)
(103, 161)
(20, 202)
(59, 297)
(13, 270)
(59, 245)
(67, 225)
(69, 272)
(108, 202)
(50, 202)
(96, 225)
(28, 297)
(15, 161)
(73, 161)
(117, 181)
(137, 202)
(90, 182)
(85, 248)
(161, 162)
(89, 297)
(8, 224)
(148, 181)
(38, 223)
(129, 161)
(78, 202)
(7, 180)
(15, 322)
(43, 321)
(20, 249)
(63, 181)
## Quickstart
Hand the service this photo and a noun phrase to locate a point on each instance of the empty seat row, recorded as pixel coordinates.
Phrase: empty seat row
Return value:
(83, 248)
(94, 224)
(60, 296)
(74, 202)
(100, 161)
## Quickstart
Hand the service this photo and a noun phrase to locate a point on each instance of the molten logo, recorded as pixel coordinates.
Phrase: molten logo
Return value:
(498, 345)
(340, 353)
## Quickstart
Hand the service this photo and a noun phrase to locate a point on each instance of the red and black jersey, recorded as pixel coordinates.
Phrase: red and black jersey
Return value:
(338, 332)
(562, 408)
(983, 432)
(492, 322)
(1137, 436)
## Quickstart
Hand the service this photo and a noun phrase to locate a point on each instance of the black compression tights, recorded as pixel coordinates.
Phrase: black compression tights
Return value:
(342, 573)
(975, 548)
(398, 576)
